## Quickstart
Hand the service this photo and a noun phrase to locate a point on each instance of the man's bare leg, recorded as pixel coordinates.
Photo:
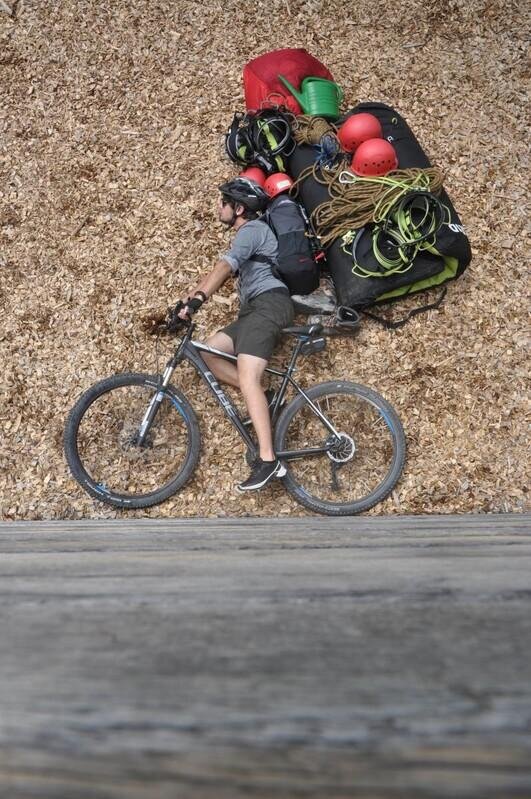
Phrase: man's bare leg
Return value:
(250, 371)
(247, 377)
(225, 371)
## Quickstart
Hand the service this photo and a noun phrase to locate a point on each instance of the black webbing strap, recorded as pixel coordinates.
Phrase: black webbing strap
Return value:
(401, 322)
(263, 259)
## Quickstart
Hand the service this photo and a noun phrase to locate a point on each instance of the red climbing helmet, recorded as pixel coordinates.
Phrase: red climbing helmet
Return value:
(277, 183)
(374, 158)
(357, 129)
(254, 173)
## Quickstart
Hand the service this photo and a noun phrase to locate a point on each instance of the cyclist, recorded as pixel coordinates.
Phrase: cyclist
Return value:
(265, 308)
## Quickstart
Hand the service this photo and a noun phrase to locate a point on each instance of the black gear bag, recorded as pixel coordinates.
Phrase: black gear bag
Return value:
(447, 259)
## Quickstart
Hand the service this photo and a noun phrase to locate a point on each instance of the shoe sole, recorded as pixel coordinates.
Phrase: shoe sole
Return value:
(280, 471)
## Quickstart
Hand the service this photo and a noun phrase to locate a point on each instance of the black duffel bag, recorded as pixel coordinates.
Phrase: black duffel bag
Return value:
(429, 269)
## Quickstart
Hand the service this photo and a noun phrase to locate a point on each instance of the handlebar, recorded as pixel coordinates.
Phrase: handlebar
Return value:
(173, 321)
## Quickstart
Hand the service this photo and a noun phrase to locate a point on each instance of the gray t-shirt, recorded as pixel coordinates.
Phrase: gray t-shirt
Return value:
(253, 238)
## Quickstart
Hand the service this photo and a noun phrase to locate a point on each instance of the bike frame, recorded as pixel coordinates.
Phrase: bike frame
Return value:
(191, 351)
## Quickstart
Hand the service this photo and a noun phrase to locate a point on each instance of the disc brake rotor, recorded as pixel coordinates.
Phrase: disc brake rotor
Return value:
(342, 450)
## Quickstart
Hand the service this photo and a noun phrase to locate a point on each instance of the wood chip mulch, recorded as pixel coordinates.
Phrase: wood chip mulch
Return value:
(111, 123)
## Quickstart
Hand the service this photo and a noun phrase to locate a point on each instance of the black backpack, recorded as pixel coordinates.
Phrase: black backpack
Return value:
(297, 264)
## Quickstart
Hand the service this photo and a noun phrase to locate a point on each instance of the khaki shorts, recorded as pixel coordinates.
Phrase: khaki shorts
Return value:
(258, 328)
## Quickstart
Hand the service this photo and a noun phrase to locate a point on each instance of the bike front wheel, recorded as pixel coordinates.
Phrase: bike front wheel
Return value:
(362, 467)
(102, 437)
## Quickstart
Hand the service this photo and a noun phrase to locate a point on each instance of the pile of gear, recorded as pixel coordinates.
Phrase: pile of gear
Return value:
(360, 214)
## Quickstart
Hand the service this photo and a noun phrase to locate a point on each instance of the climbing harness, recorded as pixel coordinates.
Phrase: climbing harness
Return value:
(328, 152)
(260, 138)
(409, 226)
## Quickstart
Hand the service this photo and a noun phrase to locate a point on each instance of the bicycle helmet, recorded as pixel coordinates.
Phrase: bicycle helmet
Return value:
(277, 183)
(255, 174)
(357, 129)
(245, 192)
(374, 158)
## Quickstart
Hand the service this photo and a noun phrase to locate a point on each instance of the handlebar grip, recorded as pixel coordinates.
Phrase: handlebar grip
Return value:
(195, 303)
(173, 320)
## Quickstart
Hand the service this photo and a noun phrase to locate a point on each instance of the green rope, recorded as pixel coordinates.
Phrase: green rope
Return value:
(401, 232)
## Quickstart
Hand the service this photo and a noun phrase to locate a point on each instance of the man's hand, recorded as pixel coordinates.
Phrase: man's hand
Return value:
(190, 306)
(183, 313)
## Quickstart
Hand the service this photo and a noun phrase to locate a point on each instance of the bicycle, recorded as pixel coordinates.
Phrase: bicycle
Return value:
(133, 440)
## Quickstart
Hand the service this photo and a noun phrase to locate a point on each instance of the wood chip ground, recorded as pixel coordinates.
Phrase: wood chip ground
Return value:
(111, 122)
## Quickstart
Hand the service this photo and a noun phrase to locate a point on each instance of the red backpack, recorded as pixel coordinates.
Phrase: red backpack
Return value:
(260, 77)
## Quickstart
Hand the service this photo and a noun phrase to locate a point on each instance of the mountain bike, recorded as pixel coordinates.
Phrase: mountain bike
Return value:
(133, 440)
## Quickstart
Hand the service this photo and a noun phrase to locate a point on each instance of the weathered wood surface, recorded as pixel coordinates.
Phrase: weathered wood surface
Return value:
(367, 657)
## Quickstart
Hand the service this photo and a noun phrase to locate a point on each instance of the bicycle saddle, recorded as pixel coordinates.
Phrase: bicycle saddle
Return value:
(305, 330)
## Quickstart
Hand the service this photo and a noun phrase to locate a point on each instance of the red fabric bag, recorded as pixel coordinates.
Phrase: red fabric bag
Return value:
(260, 77)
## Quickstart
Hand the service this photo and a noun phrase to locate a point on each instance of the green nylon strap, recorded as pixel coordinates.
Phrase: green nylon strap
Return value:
(448, 272)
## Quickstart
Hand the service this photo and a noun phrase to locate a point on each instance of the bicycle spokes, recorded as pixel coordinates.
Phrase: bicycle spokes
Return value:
(116, 446)
(356, 463)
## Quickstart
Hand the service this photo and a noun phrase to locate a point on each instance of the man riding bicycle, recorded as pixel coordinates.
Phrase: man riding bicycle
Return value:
(133, 439)
(265, 308)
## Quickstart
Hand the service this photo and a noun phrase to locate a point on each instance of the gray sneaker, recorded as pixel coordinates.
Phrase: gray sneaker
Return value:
(316, 302)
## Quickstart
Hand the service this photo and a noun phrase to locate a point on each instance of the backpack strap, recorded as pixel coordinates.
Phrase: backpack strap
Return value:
(401, 322)
(263, 259)
(266, 219)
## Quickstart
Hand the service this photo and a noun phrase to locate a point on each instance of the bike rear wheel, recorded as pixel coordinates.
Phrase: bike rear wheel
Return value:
(363, 467)
(102, 449)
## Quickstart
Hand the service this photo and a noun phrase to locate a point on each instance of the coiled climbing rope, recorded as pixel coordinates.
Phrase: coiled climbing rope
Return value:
(308, 129)
(358, 201)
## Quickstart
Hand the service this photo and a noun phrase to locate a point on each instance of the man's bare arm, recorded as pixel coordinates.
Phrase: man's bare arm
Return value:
(214, 280)
(208, 285)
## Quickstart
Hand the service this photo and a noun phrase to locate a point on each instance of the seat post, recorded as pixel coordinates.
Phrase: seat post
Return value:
(294, 355)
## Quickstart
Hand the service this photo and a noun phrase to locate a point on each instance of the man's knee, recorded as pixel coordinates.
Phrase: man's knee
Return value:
(218, 341)
(250, 370)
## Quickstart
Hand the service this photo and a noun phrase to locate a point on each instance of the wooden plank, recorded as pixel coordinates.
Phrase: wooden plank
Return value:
(260, 531)
(364, 657)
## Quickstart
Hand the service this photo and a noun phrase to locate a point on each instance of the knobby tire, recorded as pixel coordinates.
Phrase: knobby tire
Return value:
(100, 437)
(378, 460)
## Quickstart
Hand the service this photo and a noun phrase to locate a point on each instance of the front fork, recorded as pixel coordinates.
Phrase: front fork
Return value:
(154, 403)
